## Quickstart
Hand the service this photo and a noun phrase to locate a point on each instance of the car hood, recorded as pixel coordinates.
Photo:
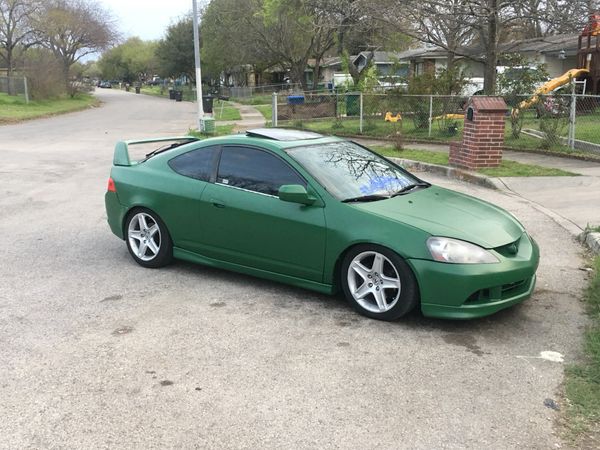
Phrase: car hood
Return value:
(441, 212)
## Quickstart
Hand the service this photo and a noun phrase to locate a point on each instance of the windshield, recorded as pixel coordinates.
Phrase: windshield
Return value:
(349, 171)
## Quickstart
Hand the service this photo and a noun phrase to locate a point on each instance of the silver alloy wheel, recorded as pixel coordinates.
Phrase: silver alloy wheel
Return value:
(374, 282)
(144, 236)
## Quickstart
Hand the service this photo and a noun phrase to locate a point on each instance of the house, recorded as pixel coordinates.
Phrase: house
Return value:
(433, 58)
(558, 53)
(388, 64)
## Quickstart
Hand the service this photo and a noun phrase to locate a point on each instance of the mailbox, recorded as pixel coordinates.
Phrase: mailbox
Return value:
(470, 113)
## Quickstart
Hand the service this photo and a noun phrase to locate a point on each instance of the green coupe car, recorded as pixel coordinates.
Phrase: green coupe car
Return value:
(321, 213)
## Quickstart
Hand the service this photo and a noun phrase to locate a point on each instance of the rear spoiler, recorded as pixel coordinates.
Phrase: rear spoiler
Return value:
(121, 156)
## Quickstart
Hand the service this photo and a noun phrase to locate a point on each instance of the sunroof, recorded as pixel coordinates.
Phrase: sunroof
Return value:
(282, 134)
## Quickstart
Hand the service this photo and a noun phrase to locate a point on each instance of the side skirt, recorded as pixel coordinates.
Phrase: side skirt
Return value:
(285, 279)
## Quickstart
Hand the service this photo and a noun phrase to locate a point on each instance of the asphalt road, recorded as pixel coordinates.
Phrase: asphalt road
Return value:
(97, 352)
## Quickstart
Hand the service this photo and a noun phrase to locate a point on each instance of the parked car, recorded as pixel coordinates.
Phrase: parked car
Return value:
(105, 85)
(321, 213)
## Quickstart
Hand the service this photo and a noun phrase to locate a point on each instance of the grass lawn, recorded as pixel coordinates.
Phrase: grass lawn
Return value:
(382, 129)
(255, 100)
(586, 126)
(265, 110)
(221, 130)
(14, 109)
(507, 168)
(188, 94)
(157, 91)
(224, 111)
(582, 385)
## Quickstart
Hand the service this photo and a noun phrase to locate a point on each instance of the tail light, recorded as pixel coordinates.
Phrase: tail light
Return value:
(111, 186)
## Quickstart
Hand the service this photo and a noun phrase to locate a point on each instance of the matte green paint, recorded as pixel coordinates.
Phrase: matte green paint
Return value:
(303, 244)
(295, 193)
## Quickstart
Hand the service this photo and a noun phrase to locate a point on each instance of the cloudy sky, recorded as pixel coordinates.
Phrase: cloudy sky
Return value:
(147, 19)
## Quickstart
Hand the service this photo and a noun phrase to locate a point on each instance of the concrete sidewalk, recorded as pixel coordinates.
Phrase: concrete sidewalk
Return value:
(251, 118)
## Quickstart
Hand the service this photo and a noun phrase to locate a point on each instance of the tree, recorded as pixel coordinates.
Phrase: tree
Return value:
(15, 29)
(539, 18)
(293, 31)
(475, 29)
(265, 33)
(134, 60)
(517, 81)
(175, 52)
(226, 30)
(72, 29)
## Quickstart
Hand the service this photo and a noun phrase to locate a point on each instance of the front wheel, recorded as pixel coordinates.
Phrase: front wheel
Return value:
(148, 240)
(378, 283)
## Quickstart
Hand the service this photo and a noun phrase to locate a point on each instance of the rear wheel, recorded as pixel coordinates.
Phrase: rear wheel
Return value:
(378, 283)
(148, 240)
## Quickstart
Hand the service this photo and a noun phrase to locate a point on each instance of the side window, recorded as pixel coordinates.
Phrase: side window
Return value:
(195, 164)
(255, 170)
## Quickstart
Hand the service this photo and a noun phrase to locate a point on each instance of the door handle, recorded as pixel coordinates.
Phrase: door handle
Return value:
(217, 203)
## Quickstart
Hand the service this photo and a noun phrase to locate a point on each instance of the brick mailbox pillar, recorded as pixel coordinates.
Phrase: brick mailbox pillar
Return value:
(483, 134)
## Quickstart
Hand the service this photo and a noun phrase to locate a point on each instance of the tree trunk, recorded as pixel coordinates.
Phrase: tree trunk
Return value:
(450, 61)
(316, 74)
(68, 89)
(491, 54)
(9, 71)
(297, 73)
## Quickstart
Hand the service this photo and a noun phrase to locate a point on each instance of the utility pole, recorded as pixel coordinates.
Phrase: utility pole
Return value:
(198, 74)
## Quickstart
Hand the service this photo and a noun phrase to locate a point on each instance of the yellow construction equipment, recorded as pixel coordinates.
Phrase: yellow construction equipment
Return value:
(549, 87)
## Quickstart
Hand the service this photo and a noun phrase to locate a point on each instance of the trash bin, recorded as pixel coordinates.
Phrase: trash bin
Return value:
(352, 104)
(207, 103)
(172, 94)
(137, 89)
(295, 99)
(209, 125)
(178, 96)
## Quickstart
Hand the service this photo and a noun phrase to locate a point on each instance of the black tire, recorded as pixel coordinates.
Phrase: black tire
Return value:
(386, 293)
(150, 245)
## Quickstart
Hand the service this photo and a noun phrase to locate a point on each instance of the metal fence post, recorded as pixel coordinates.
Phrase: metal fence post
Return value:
(26, 90)
(572, 115)
(274, 110)
(360, 122)
(430, 113)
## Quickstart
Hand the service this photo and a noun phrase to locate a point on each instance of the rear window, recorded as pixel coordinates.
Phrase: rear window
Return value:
(196, 164)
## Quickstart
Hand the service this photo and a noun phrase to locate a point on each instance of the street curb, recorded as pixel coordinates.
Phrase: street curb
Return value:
(591, 240)
(450, 172)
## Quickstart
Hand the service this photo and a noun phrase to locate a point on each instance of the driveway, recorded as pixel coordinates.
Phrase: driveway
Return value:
(97, 352)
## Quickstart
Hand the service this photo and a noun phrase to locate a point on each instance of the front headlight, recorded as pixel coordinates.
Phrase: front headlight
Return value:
(450, 250)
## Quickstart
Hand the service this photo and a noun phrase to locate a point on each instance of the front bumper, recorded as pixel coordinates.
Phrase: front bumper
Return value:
(467, 291)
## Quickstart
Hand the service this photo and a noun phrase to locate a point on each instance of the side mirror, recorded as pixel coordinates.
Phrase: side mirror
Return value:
(295, 193)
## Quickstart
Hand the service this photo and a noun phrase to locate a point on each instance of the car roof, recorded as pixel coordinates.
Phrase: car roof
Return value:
(277, 141)
(274, 138)
(283, 134)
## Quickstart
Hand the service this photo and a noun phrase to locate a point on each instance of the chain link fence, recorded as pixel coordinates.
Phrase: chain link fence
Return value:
(14, 87)
(561, 120)
(244, 92)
